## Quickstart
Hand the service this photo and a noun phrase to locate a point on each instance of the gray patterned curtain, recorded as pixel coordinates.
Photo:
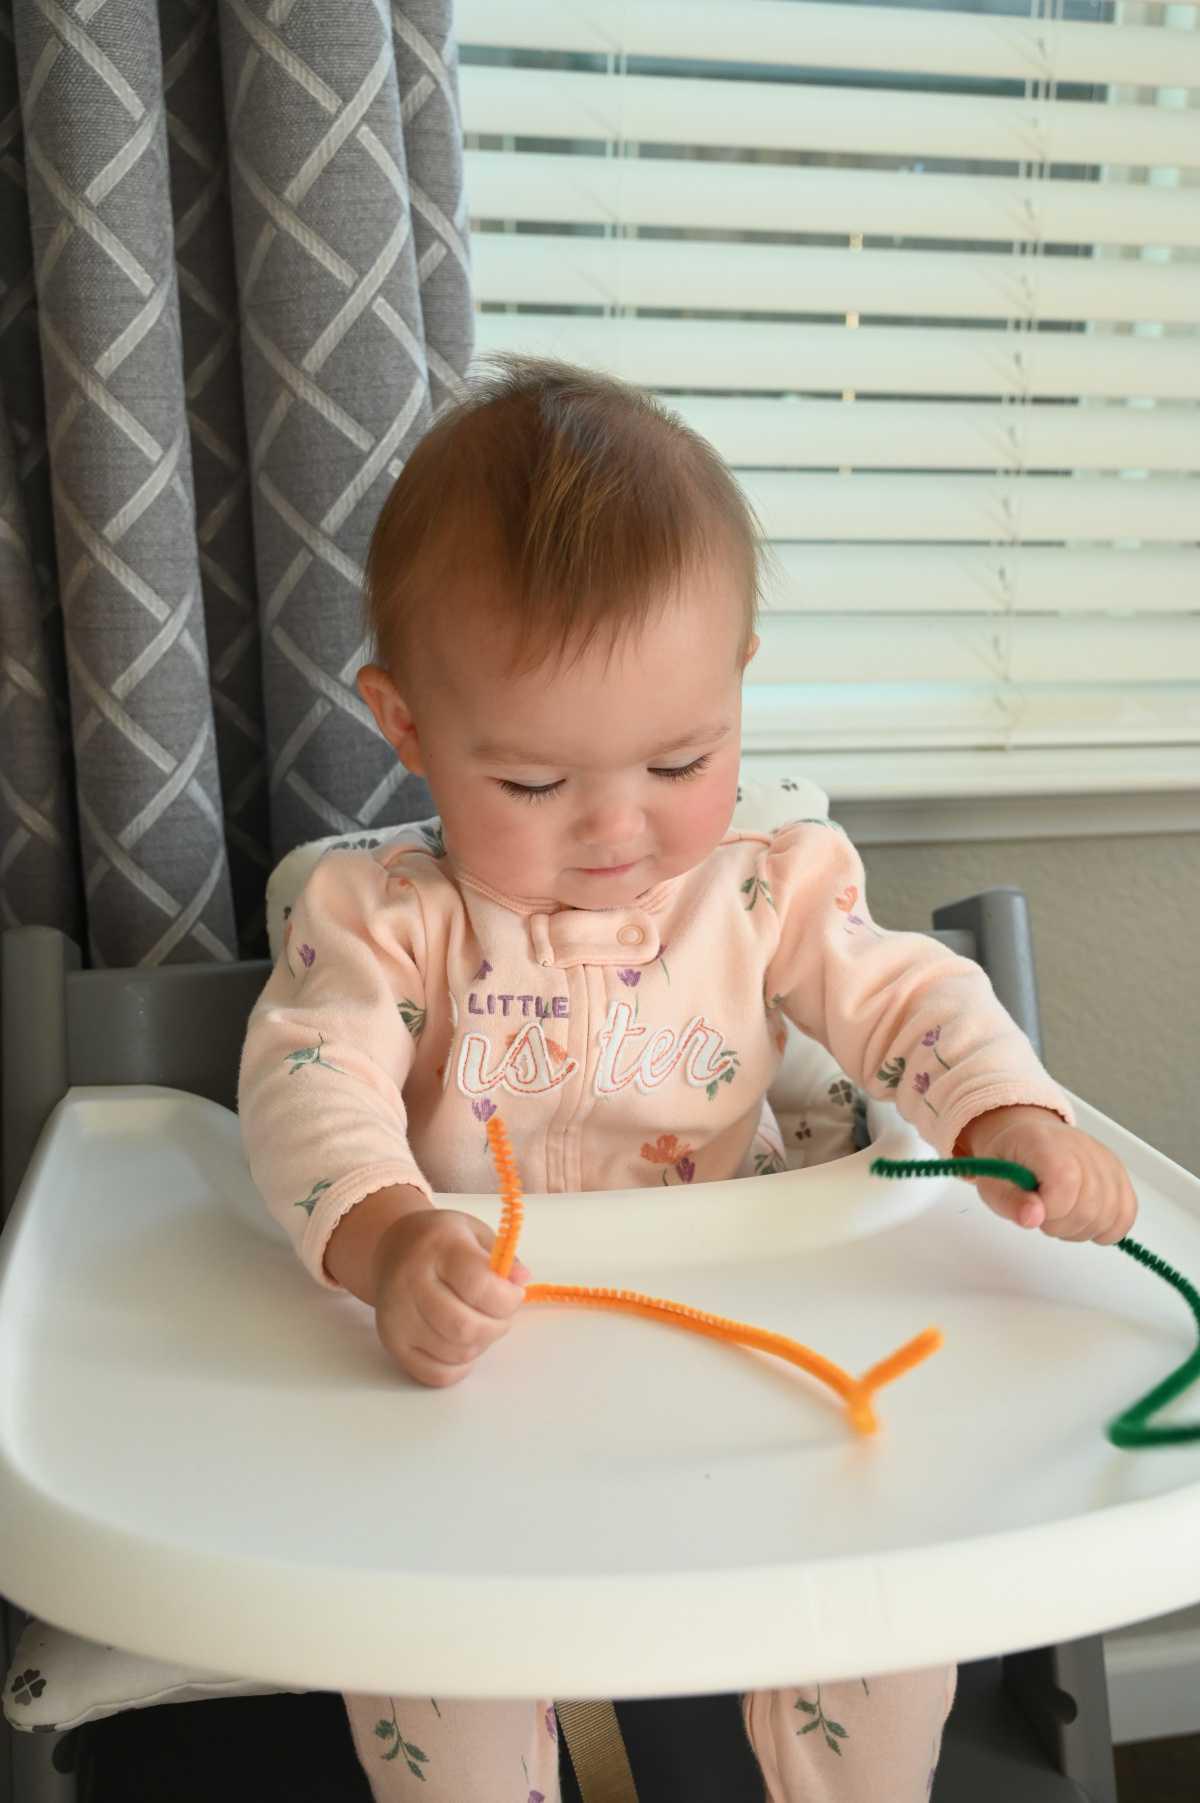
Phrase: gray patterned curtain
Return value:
(233, 291)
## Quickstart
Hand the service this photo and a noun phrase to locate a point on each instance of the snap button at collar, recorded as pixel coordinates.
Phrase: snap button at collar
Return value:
(574, 936)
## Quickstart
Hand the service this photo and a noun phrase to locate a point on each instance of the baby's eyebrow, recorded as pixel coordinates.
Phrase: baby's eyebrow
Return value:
(496, 753)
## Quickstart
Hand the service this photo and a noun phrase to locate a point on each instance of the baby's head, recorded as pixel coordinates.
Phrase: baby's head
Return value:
(562, 589)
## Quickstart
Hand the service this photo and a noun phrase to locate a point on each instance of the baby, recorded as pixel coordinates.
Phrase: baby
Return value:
(562, 589)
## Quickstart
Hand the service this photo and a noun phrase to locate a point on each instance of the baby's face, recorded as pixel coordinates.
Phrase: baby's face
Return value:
(589, 783)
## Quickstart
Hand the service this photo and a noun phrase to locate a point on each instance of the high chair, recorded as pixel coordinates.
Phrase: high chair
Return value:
(1034, 1725)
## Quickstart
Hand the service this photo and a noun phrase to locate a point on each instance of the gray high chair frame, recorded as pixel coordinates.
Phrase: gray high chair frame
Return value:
(1033, 1725)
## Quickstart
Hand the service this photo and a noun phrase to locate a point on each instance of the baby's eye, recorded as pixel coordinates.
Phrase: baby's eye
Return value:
(528, 791)
(684, 770)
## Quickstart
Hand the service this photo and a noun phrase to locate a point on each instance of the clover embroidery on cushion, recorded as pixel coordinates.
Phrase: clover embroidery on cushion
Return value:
(27, 1687)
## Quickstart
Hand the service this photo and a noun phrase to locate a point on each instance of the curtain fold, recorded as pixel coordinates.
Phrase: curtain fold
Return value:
(234, 265)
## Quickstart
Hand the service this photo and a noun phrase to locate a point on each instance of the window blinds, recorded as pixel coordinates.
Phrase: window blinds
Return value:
(930, 281)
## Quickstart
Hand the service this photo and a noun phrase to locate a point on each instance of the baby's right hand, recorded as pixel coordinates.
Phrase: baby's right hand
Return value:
(438, 1303)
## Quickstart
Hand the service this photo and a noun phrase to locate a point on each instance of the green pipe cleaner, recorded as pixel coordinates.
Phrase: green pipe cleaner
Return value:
(1132, 1429)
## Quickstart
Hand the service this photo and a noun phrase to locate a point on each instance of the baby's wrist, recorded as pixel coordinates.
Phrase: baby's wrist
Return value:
(980, 1133)
(351, 1256)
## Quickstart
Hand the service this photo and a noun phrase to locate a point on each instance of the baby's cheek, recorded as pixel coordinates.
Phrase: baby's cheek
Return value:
(488, 837)
(709, 814)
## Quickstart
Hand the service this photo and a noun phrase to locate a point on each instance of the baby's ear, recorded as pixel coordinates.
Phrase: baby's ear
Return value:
(392, 715)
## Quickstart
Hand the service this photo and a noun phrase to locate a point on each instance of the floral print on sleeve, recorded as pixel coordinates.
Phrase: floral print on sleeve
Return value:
(306, 953)
(314, 1195)
(311, 1054)
(753, 887)
(891, 1072)
(777, 1023)
(930, 1040)
(412, 1016)
(922, 1079)
(846, 902)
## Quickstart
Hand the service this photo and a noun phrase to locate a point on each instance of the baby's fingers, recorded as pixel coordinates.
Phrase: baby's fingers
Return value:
(1022, 1207)
(1087, 1194)
(465, 1267)
(1087, 1197)
(1114, 1208)
(447, 1330)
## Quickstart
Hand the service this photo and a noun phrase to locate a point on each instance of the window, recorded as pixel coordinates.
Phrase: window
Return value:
(930, 281)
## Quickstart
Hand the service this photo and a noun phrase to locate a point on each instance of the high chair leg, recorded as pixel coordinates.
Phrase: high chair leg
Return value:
(1062, 1691)
(43, 1768)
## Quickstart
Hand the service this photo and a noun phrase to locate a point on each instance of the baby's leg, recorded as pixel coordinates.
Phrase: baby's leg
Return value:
(444, 1751)
(871, 1740)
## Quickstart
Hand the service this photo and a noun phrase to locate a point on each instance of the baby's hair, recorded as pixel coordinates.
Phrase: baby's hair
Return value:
(562, 503)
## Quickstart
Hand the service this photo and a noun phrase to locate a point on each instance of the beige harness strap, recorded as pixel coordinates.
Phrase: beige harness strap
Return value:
(593, 1736)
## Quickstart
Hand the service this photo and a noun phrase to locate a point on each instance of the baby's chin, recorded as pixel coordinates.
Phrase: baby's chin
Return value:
(615, 889)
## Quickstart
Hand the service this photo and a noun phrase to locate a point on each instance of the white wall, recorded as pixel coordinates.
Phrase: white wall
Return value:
(1116, 924)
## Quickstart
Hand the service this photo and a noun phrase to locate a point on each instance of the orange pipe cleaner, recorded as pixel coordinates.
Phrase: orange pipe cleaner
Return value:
(856, 1393)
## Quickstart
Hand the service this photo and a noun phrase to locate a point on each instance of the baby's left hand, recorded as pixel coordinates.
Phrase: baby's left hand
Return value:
(1084, 1190)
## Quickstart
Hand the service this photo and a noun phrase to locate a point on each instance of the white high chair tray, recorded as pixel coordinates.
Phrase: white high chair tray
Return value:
(200, 1450)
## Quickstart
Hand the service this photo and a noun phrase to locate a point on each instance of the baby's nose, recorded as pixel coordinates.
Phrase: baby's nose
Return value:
(612, 826)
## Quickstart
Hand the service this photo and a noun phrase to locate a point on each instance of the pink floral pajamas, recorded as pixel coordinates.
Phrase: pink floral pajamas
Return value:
(860, 1741)
(626, 1047)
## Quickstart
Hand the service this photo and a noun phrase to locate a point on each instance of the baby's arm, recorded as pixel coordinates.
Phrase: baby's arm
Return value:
(328, 1048)
(327, 1052)
(918, 1025)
